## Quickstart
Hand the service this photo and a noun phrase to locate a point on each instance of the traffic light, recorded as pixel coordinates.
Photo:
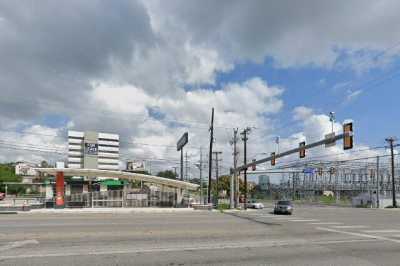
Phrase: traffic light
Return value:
(348, 136)
(302, 151)
(273, 158)
(253, 166)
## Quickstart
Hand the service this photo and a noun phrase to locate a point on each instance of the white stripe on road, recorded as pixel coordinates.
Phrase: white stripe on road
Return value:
(18, 244)
(350, 226)
(284, 218)
(327, 223)
(381, 231)
(358, 234)
(83, 252)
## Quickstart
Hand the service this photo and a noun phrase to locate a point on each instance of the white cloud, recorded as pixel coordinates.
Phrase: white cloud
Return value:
(302, 113)
(352, 95)
(34, 143)
(143, 53)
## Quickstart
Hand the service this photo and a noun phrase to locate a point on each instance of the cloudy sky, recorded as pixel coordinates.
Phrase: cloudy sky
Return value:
(151, 70)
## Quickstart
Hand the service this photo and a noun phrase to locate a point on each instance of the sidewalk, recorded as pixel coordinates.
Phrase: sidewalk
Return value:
(109, 210)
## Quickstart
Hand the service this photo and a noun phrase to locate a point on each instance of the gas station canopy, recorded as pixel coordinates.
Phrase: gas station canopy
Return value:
(119, 174)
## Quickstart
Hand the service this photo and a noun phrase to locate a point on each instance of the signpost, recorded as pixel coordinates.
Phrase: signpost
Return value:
(179, 147)
(330, 140)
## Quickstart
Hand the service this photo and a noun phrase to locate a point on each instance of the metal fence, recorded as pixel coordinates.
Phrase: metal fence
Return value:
(124, 198)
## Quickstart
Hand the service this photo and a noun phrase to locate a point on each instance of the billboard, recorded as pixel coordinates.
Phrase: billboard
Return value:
(182, 141)
(135, 165)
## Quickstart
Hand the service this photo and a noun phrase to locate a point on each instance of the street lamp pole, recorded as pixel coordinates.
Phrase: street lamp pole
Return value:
(332, 118)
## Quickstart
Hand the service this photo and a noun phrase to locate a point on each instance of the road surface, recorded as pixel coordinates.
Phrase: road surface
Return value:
(312, 236)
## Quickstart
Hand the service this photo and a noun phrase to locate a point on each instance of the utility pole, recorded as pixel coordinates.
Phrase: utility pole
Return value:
(182, 164)
(186, 166)
(390, 141)
(377, 181)
(234, 181)
(244, 134)
(210, 155)
(201, 176)
(216, 153)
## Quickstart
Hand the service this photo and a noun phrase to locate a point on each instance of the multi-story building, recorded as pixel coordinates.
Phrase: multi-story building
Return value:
(263, 182)
(93, 150)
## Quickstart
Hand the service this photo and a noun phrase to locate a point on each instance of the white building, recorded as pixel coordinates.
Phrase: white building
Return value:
(93, 150)
(25, 169)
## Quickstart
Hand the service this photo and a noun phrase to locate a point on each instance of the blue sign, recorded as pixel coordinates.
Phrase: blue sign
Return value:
(91, 148)
(309, 170)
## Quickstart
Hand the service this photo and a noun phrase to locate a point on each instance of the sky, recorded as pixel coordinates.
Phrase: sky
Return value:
(152, 70)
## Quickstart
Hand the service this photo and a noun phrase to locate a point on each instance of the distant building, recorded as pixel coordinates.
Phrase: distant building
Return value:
(263, 182)
(93, 150)
(26, 171)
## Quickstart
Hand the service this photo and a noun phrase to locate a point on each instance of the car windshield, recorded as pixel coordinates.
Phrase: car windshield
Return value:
(284, 202)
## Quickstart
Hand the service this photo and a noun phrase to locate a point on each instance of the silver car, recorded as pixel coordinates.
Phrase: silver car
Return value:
(254, 205)
(283, 207)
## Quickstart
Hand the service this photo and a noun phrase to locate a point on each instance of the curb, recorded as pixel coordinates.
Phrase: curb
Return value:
(8, 212)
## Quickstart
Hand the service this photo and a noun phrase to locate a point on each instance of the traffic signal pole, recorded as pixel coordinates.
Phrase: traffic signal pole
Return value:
(296, 150)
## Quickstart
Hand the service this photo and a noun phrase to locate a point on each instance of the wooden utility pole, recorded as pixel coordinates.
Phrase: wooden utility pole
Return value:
(234, 181)
(390, 141)
(210, 155)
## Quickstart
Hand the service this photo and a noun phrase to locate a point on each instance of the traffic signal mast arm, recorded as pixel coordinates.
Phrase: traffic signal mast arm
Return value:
(296, 150)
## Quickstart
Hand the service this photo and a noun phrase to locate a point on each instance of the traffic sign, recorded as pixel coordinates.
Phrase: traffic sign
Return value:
(330, 140)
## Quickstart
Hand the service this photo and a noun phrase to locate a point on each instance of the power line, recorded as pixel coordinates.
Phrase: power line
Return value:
(66, 137)
(102, 113)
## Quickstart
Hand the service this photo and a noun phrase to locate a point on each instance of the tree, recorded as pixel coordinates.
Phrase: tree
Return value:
(167, 174)
(44, 164)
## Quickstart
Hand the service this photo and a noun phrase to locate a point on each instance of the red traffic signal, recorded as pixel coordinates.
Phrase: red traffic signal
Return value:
(253, 166)
(273, 158)
(302, 151)
(348, 136)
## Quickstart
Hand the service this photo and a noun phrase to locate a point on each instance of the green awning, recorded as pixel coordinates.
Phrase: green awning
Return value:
(112, 182)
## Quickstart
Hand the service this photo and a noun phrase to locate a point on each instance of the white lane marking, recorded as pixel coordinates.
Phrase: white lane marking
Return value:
(381, 231)
(18, 244)
(293, 242)
(327, 223)
(350, 226)
(358, 234)
(284, 218)
(304, 220)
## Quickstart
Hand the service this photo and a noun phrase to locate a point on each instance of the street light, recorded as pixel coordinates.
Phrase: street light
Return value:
(332, 118)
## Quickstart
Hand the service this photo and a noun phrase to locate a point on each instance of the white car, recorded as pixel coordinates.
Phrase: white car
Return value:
(255, 205)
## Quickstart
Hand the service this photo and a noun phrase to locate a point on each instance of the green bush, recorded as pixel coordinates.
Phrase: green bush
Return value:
(223, 206)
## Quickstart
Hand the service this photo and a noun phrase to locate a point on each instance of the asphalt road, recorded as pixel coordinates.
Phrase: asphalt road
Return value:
(312, 236)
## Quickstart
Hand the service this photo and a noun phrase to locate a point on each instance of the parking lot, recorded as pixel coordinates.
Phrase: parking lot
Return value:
(311, 236)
